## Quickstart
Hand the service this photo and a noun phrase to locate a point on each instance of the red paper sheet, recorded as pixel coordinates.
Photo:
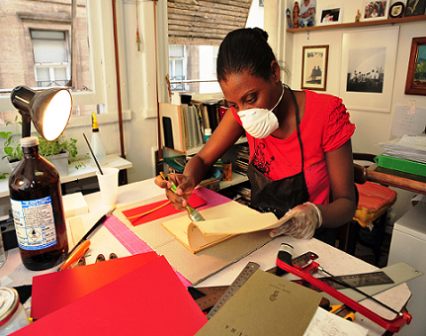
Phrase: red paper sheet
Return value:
(148, 301)
(195, 201)
(55, 290)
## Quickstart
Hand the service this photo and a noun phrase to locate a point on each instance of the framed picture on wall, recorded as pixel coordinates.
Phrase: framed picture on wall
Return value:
(327, 16)
(375, 10)
(368, 69)
(314, 67)
(415, 7)
(416, 74)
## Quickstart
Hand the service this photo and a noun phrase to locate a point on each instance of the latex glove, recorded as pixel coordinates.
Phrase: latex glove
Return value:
(303, 224)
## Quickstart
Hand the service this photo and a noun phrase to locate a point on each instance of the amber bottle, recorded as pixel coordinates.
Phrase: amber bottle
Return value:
(38, 212)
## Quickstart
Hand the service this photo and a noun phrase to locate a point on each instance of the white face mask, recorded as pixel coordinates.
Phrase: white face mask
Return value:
(260, 123)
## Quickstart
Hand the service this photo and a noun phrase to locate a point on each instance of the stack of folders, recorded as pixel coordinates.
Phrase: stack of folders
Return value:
(243, 156)
(408, 147)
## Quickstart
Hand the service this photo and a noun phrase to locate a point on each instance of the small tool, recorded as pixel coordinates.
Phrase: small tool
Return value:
(285, 254)
(76, 254)
(193, 213)
(93, 154)
(343, 311)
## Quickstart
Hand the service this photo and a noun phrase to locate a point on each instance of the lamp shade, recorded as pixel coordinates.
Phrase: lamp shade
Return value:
(49, 110)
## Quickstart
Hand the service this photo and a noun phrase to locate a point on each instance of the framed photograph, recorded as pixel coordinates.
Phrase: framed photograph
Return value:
(327, 16)
(375, 10)
(415, 7)
(368, 69)
(314, 67)
(396, 10)
(416, 74)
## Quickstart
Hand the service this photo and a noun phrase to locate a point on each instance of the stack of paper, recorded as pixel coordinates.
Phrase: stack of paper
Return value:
(149, 300)
(408, 147)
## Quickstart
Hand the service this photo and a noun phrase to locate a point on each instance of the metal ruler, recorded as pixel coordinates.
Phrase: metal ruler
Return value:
(207, 297)
(245, 274)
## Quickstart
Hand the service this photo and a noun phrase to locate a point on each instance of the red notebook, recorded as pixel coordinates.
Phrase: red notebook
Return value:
(55, 290)
(150, 300)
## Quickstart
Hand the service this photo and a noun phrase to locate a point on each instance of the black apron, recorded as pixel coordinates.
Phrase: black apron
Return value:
(282, 195)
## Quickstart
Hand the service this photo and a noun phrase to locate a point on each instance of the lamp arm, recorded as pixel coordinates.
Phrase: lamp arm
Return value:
(26, 124)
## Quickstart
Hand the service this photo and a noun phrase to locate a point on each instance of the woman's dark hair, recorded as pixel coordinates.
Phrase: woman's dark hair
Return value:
(245, 49)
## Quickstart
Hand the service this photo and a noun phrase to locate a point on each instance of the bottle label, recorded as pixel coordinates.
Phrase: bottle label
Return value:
(34, 223)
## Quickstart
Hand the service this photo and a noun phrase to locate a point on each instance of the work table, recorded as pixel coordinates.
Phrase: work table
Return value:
(105, 241)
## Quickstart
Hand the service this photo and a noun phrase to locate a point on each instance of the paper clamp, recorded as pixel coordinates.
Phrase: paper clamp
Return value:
(305, 273)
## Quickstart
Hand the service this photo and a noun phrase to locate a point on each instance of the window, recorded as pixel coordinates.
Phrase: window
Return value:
(176, 67)
(194, 39)
(36, 51)
(51, 58)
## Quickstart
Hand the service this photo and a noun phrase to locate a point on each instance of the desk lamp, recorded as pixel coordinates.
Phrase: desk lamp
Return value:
(49, 110)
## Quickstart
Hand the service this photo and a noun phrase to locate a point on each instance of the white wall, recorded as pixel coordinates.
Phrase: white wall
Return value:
(371, 127)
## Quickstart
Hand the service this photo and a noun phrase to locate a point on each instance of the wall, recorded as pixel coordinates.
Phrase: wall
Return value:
(371, 127)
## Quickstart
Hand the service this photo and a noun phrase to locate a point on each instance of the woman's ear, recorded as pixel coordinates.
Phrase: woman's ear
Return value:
(276, 71)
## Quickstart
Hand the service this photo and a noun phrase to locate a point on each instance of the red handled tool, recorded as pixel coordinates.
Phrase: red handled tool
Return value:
(305, 273)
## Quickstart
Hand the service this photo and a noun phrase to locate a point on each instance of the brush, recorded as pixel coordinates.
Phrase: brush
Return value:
(193, 213)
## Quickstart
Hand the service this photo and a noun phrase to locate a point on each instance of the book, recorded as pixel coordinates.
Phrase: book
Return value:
(221, 223)
(265, 305)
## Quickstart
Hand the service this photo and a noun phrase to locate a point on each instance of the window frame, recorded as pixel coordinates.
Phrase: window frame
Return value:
(102, 61)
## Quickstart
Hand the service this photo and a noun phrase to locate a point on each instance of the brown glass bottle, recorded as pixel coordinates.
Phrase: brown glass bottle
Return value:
(36, 199)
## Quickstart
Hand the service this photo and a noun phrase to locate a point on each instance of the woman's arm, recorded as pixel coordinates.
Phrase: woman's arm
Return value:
(341, 174)
(225, 135)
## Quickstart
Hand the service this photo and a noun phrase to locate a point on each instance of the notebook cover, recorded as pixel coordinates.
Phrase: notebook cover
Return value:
(55, 290)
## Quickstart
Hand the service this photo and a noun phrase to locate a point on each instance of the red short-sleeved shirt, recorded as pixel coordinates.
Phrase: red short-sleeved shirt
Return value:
(325, 127)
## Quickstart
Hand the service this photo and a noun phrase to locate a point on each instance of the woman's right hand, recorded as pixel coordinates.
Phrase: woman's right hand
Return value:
(185, 185)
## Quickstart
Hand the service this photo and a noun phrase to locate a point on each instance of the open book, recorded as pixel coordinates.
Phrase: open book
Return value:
(222, 223)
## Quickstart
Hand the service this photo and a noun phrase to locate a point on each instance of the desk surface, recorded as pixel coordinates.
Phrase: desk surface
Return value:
(397, 179)
(81, 173)
(330, 258)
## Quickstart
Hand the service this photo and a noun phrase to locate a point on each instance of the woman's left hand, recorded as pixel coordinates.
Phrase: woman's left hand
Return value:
(303, 224)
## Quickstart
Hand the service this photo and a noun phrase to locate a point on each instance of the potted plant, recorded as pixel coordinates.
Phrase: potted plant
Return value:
(11, 147)
(60, 152)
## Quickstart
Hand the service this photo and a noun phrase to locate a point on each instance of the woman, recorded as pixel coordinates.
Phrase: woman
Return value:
(300, 148)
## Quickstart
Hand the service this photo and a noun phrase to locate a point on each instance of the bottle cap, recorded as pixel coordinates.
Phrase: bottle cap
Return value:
(29, 141)
(94, 122)
(10, 301)
(207, 131)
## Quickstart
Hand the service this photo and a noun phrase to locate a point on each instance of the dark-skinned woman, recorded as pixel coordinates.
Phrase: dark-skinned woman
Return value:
(300, 142)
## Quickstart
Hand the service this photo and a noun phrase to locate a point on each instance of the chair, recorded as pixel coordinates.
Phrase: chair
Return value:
(373, 202)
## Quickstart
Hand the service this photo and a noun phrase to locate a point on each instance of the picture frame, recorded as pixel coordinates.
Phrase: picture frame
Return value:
(329, 15)
(314, 67)
(416, 73)
(415, 7)
(361, 88)
(396, 10)
(375, 10)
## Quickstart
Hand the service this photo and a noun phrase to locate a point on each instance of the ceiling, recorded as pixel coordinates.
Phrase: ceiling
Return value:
(200, 22)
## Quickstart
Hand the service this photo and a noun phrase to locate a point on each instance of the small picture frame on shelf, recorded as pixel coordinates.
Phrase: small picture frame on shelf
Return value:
(375, 10)
(416, 75)
(396, 10)
(314, 67)
(331, 15)
(415, 7)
